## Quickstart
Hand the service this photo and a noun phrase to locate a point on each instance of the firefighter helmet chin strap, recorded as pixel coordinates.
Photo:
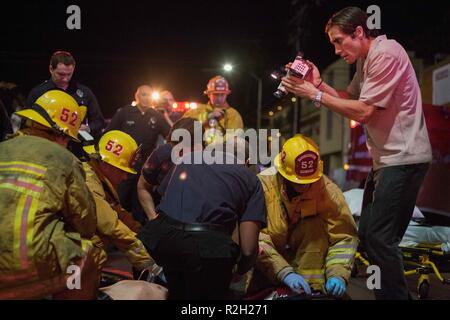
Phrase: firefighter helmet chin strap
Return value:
(41, 111)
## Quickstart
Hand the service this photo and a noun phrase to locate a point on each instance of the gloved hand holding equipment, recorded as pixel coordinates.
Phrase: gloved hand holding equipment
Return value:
(335, 286)
(295, 282)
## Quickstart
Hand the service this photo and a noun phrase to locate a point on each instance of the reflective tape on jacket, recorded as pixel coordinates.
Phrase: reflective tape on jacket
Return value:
(23, 230)
(352, 246)
(23, 185)
(313, 275)
(20, 166)
(343, 259)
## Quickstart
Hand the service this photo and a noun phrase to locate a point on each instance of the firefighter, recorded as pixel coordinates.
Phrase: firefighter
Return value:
(310, 239)
(47, 211)
(110, 161)
(217, 113)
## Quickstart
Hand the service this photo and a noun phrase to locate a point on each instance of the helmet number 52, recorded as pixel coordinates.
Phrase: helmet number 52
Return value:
(307, 165)
(115, 148)
(65, 115)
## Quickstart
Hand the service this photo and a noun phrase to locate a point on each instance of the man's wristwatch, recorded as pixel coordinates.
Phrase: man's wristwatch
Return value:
(318, 99)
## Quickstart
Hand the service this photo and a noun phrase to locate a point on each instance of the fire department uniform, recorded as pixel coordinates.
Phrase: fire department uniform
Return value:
(47, 216)
(114, 224)
(320, 245)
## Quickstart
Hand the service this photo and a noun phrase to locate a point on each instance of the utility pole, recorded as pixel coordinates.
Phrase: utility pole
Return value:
(296, 103)
(259, 107)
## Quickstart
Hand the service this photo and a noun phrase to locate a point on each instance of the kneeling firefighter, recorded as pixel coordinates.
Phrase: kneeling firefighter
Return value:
(310, 239)
(110, 161)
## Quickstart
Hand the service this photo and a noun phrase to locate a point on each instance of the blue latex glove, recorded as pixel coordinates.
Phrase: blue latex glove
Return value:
(295, 282)
(335, 286)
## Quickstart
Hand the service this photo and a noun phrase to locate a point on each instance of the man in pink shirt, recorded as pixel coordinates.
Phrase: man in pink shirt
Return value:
(384, 96)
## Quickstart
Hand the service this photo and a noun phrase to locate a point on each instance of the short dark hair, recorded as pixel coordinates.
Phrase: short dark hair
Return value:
(61, 57)
(348, 19)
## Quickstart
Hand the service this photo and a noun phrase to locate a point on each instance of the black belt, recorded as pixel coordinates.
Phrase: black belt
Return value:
(193, 226)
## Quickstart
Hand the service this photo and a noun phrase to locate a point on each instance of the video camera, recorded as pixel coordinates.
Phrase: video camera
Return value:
(300, 68)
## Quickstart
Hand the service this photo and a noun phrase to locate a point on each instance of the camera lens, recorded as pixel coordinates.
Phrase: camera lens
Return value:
(279, 94)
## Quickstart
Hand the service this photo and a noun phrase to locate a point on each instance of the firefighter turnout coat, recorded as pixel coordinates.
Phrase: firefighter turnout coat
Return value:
(46, 216)
(312, 234)
(114, 224)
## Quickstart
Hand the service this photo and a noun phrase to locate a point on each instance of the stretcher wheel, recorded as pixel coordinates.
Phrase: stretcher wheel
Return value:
(423, 290)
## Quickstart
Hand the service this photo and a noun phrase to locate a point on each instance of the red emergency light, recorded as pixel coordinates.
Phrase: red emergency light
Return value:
(183, 106)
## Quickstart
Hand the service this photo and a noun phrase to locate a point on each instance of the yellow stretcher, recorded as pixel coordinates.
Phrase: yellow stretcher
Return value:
(422, 260)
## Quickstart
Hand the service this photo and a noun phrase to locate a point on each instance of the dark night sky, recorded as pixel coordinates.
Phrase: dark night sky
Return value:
(178, 44)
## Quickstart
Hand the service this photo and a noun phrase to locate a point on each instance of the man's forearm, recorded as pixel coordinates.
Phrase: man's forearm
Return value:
(146, 199)
(351, 109)
(248, 234)
(333, 92)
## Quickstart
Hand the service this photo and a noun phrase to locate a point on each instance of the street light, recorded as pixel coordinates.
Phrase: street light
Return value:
(228, 68)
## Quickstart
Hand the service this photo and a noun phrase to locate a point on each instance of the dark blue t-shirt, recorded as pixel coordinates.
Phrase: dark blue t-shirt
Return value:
(214, 193)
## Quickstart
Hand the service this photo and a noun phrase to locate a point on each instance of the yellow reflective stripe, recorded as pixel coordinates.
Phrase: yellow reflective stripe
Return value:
(316, 281)
(21, 166)
(314, 276)
(17, 227)
(30, 226)
(341, 256)
(23, 230)
(312, 273)
(338, 261)
(346, 245)
(340, 250)
(24, 185)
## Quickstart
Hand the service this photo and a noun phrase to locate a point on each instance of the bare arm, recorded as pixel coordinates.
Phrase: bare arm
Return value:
(248, 233)
(351, 109)
(333, 92)
(145, 198)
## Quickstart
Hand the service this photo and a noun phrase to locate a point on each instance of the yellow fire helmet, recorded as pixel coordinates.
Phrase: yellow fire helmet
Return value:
(57, 110)
(118, 149)
(299, 160)
(218, 84)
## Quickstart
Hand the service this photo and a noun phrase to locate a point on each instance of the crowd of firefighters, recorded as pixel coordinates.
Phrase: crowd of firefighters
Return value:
(58, 210)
